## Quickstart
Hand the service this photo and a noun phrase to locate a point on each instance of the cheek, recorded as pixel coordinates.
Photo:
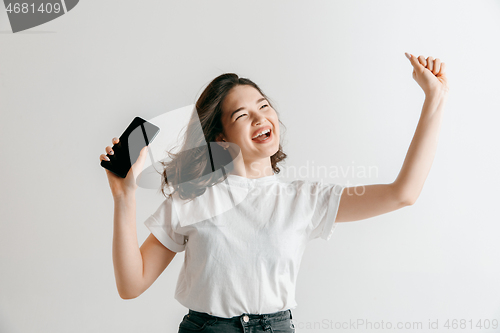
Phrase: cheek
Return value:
(238, 134)
(276, 123)
(275, 118)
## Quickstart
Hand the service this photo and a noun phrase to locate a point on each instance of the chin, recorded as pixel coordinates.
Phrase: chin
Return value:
(275, 150)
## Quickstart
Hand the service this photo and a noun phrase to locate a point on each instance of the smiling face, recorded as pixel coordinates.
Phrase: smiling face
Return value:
(245, 114)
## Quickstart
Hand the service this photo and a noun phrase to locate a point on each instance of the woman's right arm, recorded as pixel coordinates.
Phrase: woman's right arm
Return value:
(135, 268)
(127, 257)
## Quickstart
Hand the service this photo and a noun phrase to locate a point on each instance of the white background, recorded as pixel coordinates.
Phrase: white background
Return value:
(344, 90)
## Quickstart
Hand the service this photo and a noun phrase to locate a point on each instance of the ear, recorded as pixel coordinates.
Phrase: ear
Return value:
(220, 140)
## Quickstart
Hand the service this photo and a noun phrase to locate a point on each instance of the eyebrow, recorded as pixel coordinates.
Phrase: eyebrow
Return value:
(258, 101)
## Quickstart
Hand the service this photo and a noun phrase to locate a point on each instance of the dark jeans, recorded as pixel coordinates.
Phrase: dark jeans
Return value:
(278, 322)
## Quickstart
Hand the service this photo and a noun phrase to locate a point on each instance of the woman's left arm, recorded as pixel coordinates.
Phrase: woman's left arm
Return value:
(383, 198)
(422, 150)
(430, 75)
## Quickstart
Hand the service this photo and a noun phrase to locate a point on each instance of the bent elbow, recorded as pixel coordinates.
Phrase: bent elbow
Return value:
(128, 296)
(410, 201)
(403, 195)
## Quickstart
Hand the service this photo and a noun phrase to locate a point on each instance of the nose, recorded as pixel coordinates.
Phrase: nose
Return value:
(259, 119)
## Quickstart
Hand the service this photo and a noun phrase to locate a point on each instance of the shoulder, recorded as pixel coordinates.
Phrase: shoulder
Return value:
(297, 187)
(312, 187)
(303, 184)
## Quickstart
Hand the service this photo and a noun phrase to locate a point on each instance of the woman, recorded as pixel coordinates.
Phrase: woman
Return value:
(242, 257)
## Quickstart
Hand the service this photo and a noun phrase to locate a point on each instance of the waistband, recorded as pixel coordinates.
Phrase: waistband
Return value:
(286, 314)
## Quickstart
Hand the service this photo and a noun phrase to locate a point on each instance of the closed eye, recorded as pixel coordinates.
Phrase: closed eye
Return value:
(244, 114)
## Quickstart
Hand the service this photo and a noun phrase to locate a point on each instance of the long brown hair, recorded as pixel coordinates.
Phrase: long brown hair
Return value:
(193, 168)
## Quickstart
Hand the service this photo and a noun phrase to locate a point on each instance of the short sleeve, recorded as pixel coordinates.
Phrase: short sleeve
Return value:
(163, 224)
(325, 199)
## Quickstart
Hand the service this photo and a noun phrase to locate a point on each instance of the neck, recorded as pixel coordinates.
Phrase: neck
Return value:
(254, 169)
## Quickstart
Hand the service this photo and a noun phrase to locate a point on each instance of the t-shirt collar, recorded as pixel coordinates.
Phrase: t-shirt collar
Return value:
(244, 180)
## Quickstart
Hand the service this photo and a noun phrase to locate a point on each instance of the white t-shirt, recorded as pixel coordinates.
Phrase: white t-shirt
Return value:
(244, 255)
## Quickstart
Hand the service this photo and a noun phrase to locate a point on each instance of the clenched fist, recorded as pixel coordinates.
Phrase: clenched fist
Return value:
(430, 74)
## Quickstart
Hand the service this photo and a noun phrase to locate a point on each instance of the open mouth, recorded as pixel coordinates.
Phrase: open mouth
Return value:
(262, 137)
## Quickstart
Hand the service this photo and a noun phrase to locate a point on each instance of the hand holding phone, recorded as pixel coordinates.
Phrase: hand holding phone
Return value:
(131, 147)
(124, 186)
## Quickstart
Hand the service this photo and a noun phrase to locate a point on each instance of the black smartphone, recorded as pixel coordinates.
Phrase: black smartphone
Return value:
(139, 134)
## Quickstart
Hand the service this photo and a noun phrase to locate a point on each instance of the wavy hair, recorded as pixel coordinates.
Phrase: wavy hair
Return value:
(193, 168)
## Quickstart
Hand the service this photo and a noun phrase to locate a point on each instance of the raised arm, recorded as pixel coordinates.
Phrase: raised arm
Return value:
(430, 75)
(362, 202)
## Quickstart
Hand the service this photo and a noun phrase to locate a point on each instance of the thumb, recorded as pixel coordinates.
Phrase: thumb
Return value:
(414, 61)
(139, 163)
(142, 156)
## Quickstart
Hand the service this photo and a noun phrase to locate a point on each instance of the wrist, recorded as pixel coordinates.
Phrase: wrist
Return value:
(437, 94)
(124, 196)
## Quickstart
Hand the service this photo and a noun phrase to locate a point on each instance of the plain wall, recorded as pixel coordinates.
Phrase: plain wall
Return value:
(344, 90)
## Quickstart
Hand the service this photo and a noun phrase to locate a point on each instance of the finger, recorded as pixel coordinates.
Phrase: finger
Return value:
(422, 60)
(442, 70)
(103, 157)
(115, 141)
(430, 63)
(437, 66)
(415, 63)
(143, 153)
(139, 164)
(109, 150)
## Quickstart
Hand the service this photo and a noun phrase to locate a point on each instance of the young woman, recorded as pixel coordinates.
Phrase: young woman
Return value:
(244, 230)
